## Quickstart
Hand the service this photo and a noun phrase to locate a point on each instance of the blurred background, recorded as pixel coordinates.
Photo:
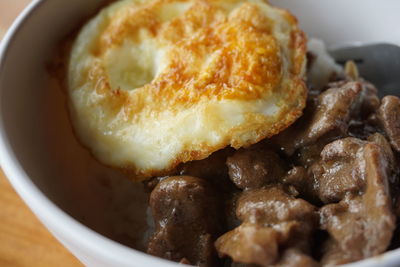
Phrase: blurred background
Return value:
(23, 239)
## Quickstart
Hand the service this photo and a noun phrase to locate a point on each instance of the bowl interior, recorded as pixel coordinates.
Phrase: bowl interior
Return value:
(36, 121)
(33, 106)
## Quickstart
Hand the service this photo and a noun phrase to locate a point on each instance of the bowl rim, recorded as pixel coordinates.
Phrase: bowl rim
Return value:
(52, 216)
(58, 221)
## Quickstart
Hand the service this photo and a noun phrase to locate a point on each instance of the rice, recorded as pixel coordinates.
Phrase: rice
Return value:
(324, 67)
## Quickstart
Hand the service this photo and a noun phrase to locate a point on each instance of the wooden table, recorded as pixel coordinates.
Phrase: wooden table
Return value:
(23, 239)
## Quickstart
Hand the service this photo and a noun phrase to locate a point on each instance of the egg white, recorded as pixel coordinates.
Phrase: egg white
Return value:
(118, 64)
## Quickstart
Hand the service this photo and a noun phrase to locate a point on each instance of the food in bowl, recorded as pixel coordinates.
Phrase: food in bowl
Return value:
(154, 84)
(203, 100)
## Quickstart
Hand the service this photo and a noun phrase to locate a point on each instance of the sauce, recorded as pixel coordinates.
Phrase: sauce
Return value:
(102, 198)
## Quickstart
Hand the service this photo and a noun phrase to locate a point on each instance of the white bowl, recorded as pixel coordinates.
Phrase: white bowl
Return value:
(27, 163)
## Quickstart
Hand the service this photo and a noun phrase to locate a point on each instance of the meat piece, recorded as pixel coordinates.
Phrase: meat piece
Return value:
(255, 167)
(307, 155)
(212, 168)
(304, 183)
(333, 112)
(340, 170)
(294, 180)
(361, 225)
(297, 176)
(296, 258)
(250, 243)
(361, 125)
(388, 116)
(215, 171)
(262, 245)
(272, 205)
(381, 141)
(393, 163)
(327, 118)
(273, 221)
(186, 215)
(369, 100)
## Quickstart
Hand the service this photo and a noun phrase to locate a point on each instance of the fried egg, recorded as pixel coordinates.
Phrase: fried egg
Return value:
(153, 84)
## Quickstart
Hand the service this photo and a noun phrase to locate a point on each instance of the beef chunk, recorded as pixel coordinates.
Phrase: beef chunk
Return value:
(326, 117)
(369, 100)
(215, 171)
(186, 215)
(302, 182)
(273, 221)
(271, 206)
(212, 168)
(362, 122)
(255, 167)
(332, 113)
(307, 155)
(251, 243)
(297, 177)
(361, 224)
(296, 258)
(393, 164)
(381, 141)
(340, 169)
(388, 116)
(341, 110)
